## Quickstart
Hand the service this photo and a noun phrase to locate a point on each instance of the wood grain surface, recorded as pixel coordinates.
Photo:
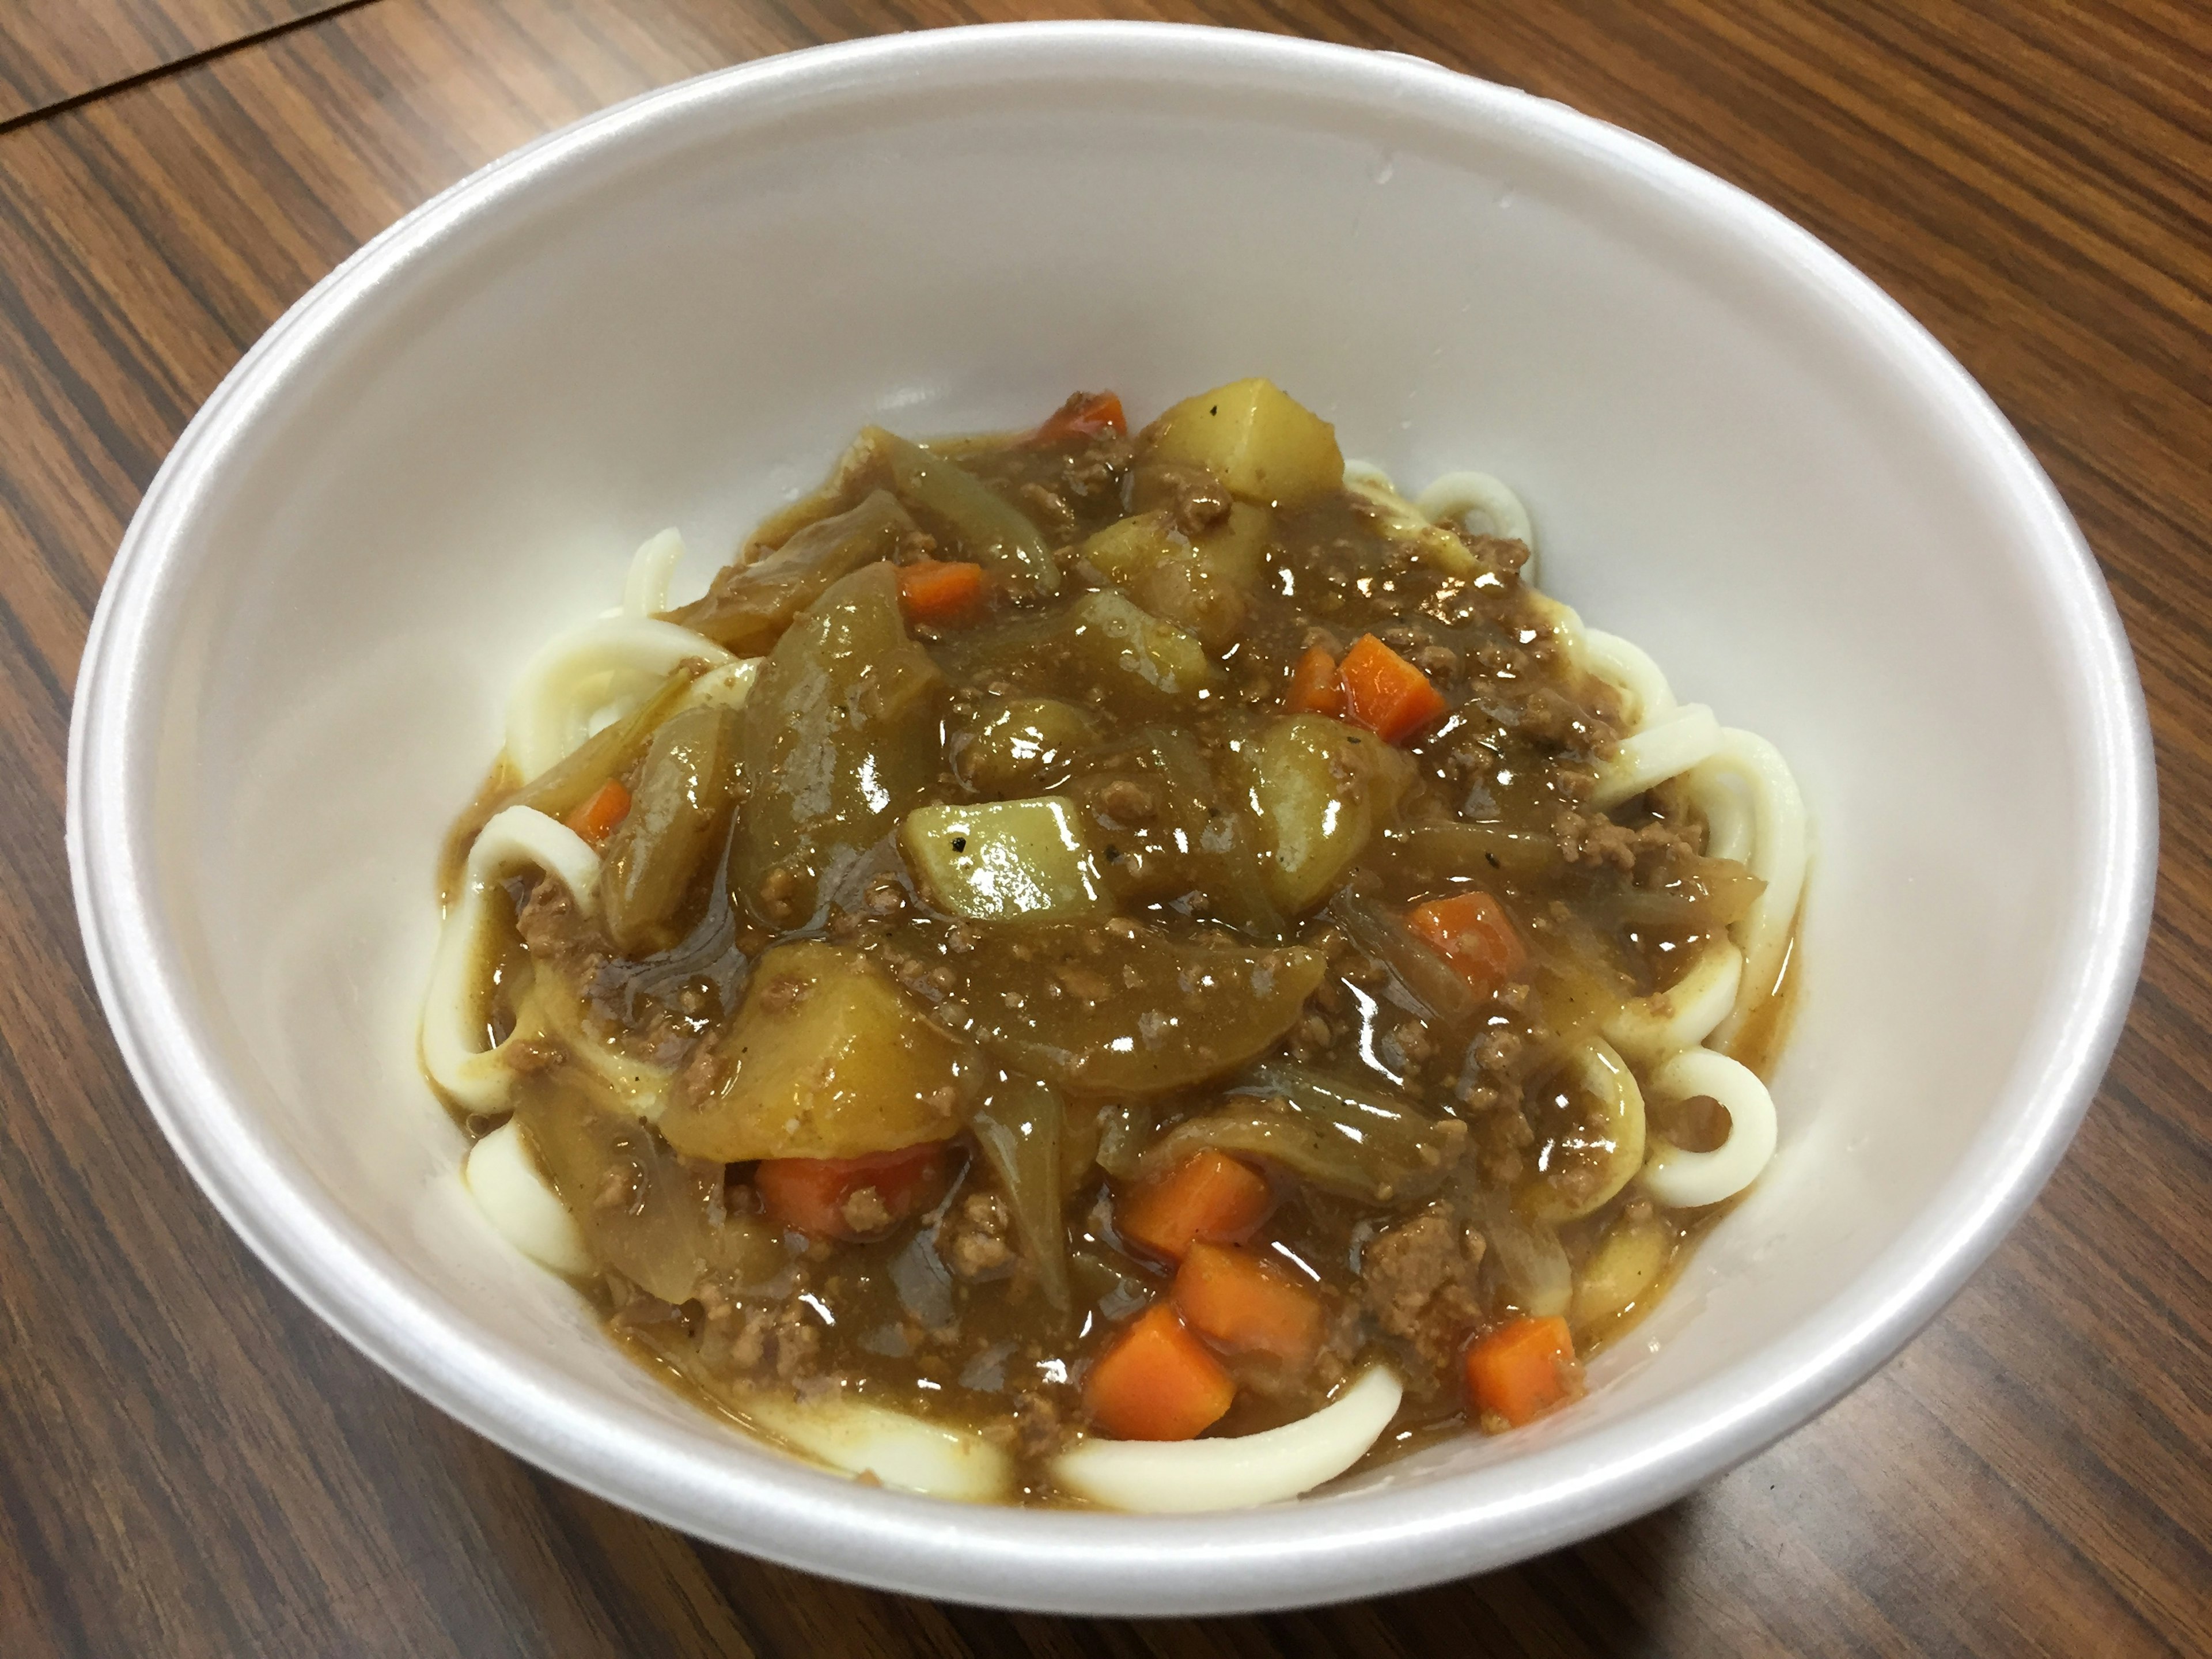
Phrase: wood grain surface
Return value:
(191, 1464)
(54, 51)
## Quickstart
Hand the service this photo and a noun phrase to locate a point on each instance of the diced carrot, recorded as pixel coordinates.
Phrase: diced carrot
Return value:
(1474, 933)
(1385, 693)
(1236, 1300)
(815, 1194)
(935, 591)
(1523, 1368)
(1086, 415)
(1209, 1196)
(1315, 686)
(1157, 1382)
(601, 811)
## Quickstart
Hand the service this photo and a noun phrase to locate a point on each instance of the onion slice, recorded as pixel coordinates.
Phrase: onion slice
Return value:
(1183, 1476)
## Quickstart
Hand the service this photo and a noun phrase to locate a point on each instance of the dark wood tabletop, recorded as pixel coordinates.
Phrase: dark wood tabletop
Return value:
(192, 1464)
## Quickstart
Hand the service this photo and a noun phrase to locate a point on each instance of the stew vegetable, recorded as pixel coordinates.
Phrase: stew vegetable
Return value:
(1085, 937)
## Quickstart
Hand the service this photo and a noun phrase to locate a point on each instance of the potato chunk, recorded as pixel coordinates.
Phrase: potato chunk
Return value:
(1267, 447)
(999, 860)
(827, 1058)
(1203, 583)
(1320, 789)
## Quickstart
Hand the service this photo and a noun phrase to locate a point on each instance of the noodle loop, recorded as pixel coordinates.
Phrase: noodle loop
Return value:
(1753, 813)
(454, 1053)
(1683, 1180)
(601, 666)
(1650, 1028)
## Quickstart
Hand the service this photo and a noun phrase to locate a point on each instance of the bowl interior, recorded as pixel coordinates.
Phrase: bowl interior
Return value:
(1735, 454)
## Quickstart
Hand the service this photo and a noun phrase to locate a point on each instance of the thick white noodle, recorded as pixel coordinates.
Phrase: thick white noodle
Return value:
(1683, 1180)
(897, 1448)
(645, 591)
(1485, 506)
(1645, 694)
(454, 1052)
(604, 666)
(513, 1193)
(1184, 1476)
(1649, 1029)
(1663, 749)
(1628, 669)
(726, 687)
(1402, 521)
(1753, 813)
(1603, 1073)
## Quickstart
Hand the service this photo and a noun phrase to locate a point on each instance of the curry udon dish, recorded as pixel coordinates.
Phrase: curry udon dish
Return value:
(1146, 972)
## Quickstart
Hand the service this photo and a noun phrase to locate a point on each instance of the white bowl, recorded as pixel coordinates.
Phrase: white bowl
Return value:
(1738, 453)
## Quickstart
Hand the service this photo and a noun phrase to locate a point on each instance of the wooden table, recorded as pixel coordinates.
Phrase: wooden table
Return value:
(191, 1464)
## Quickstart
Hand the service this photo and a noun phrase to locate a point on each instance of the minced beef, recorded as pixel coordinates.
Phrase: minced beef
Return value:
(1416, 1280)
(779, 1341)
(974, 1240)
(559, 936)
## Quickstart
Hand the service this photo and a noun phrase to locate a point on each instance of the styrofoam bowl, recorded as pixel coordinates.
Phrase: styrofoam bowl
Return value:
(1737, 451)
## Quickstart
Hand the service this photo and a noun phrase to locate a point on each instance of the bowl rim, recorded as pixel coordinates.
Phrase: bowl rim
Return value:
(1286, 1556)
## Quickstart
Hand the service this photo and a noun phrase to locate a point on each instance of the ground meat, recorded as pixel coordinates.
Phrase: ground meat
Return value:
(1049, 509)
(1587, 838)
(533, 1055)
(1591, 838)
(1129, 801)
(570, 945)
(559, 936)
(1413, 1041)
(781, 1342)
(1497, 1051)
(1418, 1282)
(974, 1241)
(1311, 1036)
(1500, 1138)
(1040, 1427)
(782, 993)
(866, 1213)
(779, 895)
(1547, 716)
(1438, 662)
(1665, 843)
(1201, 500)
(703, 1074)
(1096, 469)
